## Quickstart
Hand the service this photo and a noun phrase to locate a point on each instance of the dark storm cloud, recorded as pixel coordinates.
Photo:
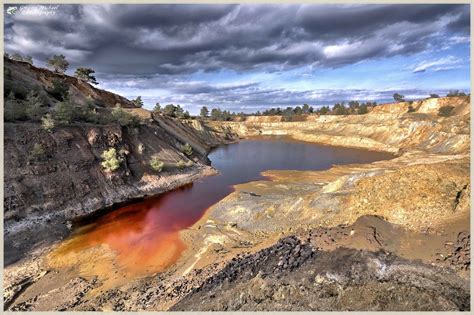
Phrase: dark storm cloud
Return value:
(178, 39)
(170, 17)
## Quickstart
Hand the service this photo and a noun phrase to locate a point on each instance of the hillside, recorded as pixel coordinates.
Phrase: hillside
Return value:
(21, 77)
(66, 181)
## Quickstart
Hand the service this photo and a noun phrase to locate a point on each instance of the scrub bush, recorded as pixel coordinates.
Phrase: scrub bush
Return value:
(445, 111)
(110, 160)
(187, 149)
(156, 164)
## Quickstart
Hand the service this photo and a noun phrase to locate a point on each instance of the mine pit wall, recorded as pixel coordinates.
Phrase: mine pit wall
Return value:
(201, 137)
(69, 181)
(427, 186)
(388, 128)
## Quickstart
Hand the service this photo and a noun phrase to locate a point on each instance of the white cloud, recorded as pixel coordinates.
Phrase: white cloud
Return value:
(445, 63)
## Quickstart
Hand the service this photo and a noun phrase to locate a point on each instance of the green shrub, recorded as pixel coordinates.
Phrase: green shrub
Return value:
(19, 90)
(124, 118)
(110, 160)
(156, 164)
(14, 110)
(187, 149)
(86, 113)
(47, 122)
(454, 93)
(18, 57)
(64, 112)
(33, 106)
(102, 119)
(7, 72)
(37, 153)
(181, 165)
(60, 90)
(362, 110)
(445, 111)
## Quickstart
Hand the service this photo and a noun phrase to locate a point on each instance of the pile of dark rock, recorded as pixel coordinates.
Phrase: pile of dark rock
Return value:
(460, 252)
(286, 255)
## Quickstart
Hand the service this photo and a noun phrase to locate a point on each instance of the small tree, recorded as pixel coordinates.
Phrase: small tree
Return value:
(16, 56)
(434, 95)
(362, 109)
(33, 106)
(324, 110)
(87, 112)
(445, 111)
(85, 74)
(454, 93)
(204, 112)
(186, 115)
(28, 59)
(305, 109)
(19, 57)
(187, 149)
(37, 152)
(340, 109)
(179, 112)
(64, 112)
(110, 160)
(398, 97)
(124, 118)
(216, 114)
(157, 108)
(138, 101)
(47, 122)
(156, 164)
(170, 110)
(58, 63)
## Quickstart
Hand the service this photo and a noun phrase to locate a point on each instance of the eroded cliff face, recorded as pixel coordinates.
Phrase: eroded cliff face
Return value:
(388, 127)
(67, 181)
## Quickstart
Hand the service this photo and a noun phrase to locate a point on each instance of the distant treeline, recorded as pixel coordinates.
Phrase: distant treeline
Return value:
(352, 108)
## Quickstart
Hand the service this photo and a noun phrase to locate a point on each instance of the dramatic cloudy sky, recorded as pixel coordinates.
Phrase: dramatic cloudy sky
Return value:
(248, 57)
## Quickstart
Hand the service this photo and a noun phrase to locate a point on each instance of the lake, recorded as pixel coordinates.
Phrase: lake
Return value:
(144, 235)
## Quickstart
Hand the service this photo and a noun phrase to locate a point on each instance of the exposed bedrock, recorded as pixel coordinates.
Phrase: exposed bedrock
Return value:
(387, 127)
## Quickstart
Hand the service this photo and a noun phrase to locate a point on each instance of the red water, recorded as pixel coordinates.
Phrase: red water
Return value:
(144, 236)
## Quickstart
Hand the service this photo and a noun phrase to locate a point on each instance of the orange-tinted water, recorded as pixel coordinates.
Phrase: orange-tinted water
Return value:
(144, 236)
